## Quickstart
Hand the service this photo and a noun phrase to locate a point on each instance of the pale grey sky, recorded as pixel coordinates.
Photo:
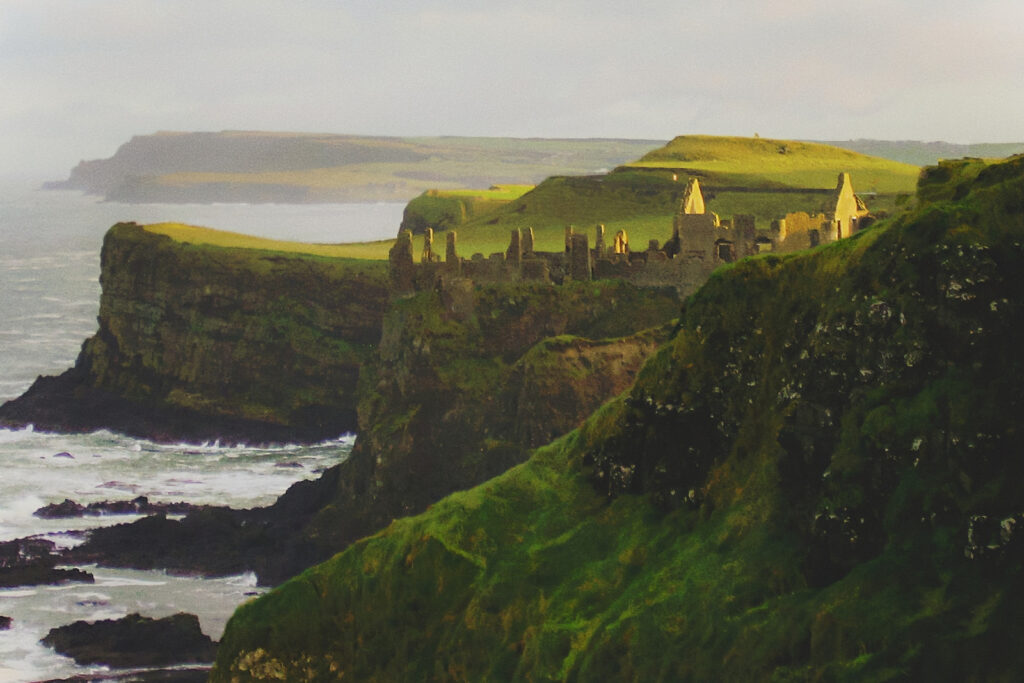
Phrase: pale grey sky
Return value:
(80, 77)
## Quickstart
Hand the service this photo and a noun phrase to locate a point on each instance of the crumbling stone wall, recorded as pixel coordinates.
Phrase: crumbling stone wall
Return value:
(400, 265)
(579, 258)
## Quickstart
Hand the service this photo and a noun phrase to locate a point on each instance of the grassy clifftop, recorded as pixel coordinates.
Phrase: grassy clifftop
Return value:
(765, 163)
(816, 478)
(757, 176)
(200, 339)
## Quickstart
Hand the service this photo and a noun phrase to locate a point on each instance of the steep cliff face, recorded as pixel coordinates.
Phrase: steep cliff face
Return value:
(817, 478)
(466, 383)
(202, 342)
(451, 387)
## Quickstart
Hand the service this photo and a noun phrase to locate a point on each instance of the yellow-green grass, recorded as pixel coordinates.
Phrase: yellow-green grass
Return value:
(506, 192)
(221, 238)
(757, 162)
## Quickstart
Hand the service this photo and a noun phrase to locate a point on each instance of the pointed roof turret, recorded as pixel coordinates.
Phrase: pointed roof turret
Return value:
(693, 198)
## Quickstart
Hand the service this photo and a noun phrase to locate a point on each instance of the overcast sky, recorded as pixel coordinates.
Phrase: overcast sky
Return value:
(80, 77)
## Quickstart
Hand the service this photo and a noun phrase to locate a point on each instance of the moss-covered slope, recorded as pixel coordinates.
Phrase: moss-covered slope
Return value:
(467, 381)
(816, 479)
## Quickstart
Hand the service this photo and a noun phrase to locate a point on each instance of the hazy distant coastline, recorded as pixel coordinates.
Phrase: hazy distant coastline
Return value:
(293, 168)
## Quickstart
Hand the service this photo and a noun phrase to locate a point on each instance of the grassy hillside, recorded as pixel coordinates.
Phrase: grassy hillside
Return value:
(448, 209)
(816, 479)
(764, 163)
(377, 251)
(739, 175)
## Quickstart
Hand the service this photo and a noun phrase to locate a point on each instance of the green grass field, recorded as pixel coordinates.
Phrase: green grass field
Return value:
(760, 162)
(192, 234)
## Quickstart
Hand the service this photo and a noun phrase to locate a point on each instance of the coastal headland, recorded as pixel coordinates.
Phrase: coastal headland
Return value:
(790, 471)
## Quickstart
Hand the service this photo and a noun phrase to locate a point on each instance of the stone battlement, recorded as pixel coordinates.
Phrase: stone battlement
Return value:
(699, 243)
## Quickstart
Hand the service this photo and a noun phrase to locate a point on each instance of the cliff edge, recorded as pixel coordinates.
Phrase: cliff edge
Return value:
(198, 343)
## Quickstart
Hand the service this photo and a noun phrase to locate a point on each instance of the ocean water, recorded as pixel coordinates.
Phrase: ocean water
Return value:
(49, 297)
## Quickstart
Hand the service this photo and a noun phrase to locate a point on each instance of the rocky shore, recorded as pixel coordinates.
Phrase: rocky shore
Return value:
(33, 562)
(134, 641)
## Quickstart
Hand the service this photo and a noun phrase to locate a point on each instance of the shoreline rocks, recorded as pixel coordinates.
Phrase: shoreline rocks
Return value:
(137, 506)
(33, 562)
(134, 641)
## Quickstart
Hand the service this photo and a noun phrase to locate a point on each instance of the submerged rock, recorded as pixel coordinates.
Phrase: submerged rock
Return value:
(134, 640)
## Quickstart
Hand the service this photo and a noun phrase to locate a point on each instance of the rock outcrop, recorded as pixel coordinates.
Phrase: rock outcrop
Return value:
(200, 343)
(34, 562)
(134, 641)
(464, 385)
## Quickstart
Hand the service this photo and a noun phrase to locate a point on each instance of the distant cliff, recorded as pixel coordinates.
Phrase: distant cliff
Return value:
(251, 167)
(817, 478)
(201, 342)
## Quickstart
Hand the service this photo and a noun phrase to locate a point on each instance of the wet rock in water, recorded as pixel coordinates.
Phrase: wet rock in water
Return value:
(41, 574)
(68, 508)
(134, 640)
(293, 464)
(5, 623)
(32, 562)
(64, 454)
(136, 506)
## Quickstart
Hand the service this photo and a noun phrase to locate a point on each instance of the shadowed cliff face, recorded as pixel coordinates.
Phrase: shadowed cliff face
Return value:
(199, 342)
(451, 387)
(464, 387)
(817, 478)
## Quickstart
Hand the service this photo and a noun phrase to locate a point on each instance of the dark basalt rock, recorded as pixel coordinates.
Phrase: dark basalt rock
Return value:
(192, 674)
(41, 574)
(134, 640)
(68, 404)
(136, 506)
(213, 541)
(5, 623)
(32, 562)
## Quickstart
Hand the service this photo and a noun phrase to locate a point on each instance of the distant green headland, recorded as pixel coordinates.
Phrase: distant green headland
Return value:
(249, 166)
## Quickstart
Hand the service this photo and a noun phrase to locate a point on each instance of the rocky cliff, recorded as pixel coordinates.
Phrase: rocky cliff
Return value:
(198, 342)
(447, 388)
(817, 478)
(464, 383)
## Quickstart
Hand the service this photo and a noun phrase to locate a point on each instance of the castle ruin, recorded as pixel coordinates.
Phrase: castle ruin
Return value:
(699, 243)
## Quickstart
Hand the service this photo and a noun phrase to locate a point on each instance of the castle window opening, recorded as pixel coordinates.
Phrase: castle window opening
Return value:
(724, 251)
